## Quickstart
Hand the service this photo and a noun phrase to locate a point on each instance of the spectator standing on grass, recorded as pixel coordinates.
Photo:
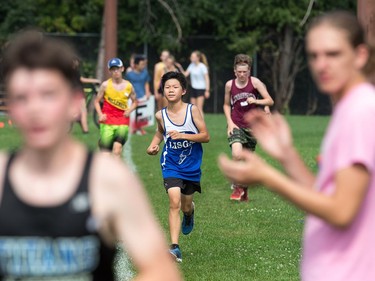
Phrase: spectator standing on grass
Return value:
(242, 95)
(140, 79)
(338, 242)
(63, 208)
(83, 114)
(199, 78)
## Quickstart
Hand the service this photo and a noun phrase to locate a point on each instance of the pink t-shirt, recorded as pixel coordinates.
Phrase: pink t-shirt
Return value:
(330, 253)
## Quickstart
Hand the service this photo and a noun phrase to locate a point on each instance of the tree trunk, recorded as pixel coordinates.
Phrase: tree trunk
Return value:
(101, 53)
(287, 63)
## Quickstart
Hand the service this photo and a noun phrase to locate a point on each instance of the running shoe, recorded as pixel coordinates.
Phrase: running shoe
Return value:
(176, 253)
(244, 197)
(188, 222)
(237, 193)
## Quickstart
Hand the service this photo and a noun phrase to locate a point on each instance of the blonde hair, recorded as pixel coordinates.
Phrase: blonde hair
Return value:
(202, 57)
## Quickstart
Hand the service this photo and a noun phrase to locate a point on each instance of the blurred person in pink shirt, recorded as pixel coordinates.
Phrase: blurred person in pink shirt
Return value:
(340, 202)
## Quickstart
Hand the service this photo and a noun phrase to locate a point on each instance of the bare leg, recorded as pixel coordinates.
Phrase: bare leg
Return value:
(236, 151)
(84, 124)
(238, 191)
(174, 194)
(117, 149)
(187, 204)
(200, 104)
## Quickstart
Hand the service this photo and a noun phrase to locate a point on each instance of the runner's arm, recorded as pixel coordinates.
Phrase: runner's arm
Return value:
(99, 98)
(202, 136)
(157, 79)
(147, 90)
(227, 108)
(207, 92)
(262, 89)
(179, 67)
(127, 210)
(134, 104)
(153, 148)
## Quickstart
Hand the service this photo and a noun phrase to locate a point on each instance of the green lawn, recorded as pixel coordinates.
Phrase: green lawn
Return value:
(259, 240)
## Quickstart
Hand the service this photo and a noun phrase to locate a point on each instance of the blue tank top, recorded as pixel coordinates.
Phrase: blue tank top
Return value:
(181, 158)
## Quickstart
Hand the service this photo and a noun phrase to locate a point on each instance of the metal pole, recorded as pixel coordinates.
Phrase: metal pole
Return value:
(110, 17)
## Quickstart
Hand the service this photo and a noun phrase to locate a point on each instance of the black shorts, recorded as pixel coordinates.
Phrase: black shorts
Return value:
(196, 93)
(187, 187)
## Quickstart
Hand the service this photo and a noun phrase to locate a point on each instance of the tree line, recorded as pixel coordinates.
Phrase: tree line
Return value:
(274, 29)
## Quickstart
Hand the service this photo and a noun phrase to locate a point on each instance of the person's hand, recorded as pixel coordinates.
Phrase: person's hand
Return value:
(148, 95)
(272, 133)
(102, 117)
(175, 135)
(127, 113)
(153, 150)
(230, 129)
(207, 94)
(251, 100)
(249, 171)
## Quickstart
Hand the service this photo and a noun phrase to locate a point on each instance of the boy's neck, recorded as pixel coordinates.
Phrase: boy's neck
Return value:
(175, 106)
(117, 80)
(50, 159)
(238, 82)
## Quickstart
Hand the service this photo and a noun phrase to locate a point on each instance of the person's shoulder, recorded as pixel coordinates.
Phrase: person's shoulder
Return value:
(129, 73)
(127, 83)
(106, 167)
(362, 99)
(159, 65)
(144, 73)
(228, 84)
(255, 80)
(158, 115)
(194, 109)
(3, 158)
(110, 181)
(105, 83)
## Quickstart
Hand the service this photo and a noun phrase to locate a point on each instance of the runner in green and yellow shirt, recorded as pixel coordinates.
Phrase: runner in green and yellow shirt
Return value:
(114, 115)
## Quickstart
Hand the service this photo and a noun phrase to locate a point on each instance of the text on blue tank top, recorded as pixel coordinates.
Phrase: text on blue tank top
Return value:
(181, 158)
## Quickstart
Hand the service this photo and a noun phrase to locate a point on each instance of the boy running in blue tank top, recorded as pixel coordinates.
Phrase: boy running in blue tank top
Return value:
(183, 129)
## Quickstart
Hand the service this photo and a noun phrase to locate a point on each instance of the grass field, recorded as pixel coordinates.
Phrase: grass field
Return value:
(259, 240)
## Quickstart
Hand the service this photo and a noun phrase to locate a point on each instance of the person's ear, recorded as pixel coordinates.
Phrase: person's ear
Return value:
(362, 56)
